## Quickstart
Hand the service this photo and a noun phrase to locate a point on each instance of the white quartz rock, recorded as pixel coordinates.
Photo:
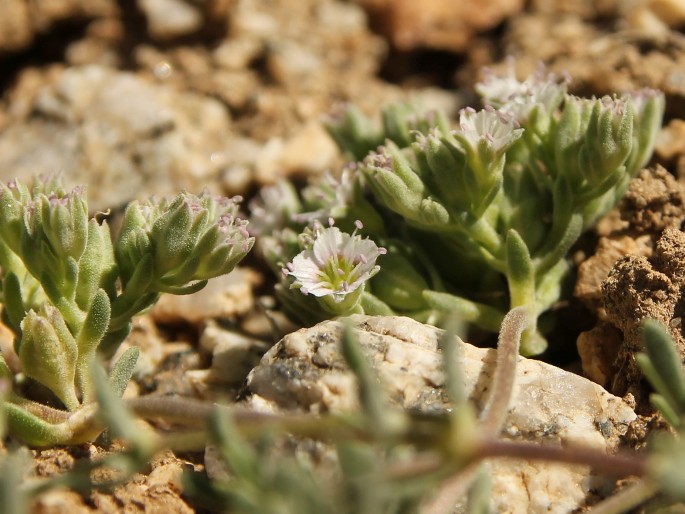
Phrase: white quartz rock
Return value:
(306, 372)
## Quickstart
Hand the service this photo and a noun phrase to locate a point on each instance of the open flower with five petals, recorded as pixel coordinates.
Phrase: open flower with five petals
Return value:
(334, 267)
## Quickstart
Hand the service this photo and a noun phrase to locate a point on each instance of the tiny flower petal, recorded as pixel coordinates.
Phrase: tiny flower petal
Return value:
(497, 128)
(518, 98)
(272, 208)
(329, 198)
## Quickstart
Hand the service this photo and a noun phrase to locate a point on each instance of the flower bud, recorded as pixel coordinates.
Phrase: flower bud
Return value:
(196, 238)
(393, 181)
(134, 245)
(432, 215)
(609, 137)
(48, 353)
(353, 132)
(401, 120)
(328, 197)
(11, 214)
(460, 187)
(97, 267)
(174, 233)
(53, 237)
(64, 220)
(279, 247)
(341, 198)
(221, 247)
(569, 139)
(397, 123)
(133, 242)
(593, 140)
(648, 105)
(444, 169)
(46, 185)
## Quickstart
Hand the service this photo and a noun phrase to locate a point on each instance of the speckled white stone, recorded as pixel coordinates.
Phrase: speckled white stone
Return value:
(305, 371)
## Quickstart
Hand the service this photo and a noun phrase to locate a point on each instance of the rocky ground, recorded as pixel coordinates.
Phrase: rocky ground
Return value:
(141, 97)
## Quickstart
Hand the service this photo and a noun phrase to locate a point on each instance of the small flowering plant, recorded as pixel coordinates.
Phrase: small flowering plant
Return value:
(69, 290)
(477, 215)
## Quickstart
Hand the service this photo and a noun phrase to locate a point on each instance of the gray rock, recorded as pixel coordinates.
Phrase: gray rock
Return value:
(122, 135)
(306, 372)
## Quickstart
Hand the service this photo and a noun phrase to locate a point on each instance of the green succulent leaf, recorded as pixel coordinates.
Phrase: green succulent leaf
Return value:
(123, 369)
(13, 303)
(662, 366)
(95, 325)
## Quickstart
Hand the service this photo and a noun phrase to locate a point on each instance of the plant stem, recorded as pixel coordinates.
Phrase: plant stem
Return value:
(495, 412)
(485, 235)
(480, 314)
(616, 465)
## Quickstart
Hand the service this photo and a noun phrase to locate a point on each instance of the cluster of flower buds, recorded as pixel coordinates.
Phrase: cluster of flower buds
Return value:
(174, 243)
(69, 291)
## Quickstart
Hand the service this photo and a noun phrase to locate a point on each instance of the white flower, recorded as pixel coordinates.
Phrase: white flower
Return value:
(508, 94)
(330, 197)
(335, 265)
(272, 208)
(497, 90)
(498, 129)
